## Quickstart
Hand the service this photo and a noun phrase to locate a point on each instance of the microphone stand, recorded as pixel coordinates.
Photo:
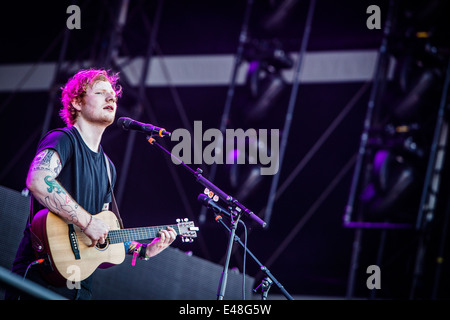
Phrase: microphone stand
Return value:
(269, 279)
(232, 202)
(224, 276)
(265, 287)
(235, 207)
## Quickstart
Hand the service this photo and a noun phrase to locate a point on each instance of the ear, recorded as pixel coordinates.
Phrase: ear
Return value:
(76, 104)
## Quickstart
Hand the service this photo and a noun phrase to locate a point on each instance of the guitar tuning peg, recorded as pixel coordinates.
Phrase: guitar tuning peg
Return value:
(178, 220)
(186, 219)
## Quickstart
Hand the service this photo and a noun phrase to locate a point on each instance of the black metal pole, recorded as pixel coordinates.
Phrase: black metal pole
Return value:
(27, 286)
(224, 276)
(441, 253)
(431, 186)
(381, 247)
(142, 97)
(116, 37)
(53, 90)
(373, 103)
(230, 93)
(435, 148)
(380, 75)
(290, 111)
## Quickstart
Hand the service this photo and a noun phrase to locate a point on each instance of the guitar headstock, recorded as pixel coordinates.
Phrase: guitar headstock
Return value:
(187, 230)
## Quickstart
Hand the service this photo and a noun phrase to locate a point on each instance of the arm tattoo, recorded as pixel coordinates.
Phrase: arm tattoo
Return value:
(42, 161)
(59, 201)
(48, 156)
(58, 167)
(56, 205)
(52, 184)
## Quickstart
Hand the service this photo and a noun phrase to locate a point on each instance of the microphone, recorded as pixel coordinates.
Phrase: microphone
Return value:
(130, 124)
(210, 203)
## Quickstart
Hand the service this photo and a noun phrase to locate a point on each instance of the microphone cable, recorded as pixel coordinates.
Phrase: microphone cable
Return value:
(35, 262)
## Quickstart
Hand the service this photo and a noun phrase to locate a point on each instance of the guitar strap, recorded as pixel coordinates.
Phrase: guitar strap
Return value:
(115, 208)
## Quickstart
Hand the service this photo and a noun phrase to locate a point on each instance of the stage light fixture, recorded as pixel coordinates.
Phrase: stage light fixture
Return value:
(394, 190)
(269, 90)
(409, 107)
(265, 81)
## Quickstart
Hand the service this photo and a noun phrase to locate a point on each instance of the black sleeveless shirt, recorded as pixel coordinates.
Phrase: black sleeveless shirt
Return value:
(83, 173)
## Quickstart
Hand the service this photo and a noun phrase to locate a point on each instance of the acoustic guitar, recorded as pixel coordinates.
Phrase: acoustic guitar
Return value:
(66, 249)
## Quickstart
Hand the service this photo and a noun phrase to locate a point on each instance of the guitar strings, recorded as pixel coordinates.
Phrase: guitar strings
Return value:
(123, 235)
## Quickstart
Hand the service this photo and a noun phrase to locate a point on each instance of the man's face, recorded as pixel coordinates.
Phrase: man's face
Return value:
(99, 104)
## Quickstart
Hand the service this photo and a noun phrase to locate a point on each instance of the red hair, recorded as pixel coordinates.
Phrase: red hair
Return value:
(75, 89)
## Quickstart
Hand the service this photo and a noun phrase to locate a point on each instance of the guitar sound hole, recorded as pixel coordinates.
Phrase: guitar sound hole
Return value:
(102, 246)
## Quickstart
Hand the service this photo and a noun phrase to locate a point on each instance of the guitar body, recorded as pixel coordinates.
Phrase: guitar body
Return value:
(67, 252)
(60, 247)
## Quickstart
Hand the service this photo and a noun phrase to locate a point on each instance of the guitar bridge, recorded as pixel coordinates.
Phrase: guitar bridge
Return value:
(74, 242)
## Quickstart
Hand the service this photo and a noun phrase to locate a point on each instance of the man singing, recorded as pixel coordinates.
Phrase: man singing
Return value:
(69, 175)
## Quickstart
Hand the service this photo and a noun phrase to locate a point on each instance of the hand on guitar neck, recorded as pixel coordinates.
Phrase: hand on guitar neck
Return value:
(162, 242)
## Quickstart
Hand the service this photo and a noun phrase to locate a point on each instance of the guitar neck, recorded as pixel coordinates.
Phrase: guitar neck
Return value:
(135, 234)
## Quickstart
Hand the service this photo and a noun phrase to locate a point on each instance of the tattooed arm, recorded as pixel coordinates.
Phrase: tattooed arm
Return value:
(42, 183)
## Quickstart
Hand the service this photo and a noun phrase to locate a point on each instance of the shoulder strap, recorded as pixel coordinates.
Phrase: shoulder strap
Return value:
(115, 208)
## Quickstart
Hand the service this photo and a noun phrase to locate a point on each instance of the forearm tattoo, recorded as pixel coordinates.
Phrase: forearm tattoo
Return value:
(52, 184)
(59, 201)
